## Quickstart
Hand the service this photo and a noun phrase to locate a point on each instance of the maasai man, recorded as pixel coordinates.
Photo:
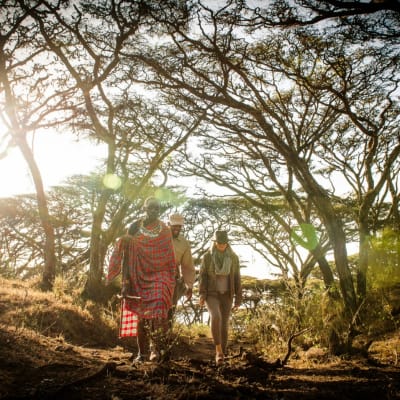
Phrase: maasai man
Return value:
(149, 281)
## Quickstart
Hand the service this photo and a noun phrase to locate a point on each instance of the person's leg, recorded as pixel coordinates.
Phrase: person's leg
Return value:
(213, 307)
(212, 304)
(171, 311)
(179, 291)
(142, 338)
(159, 338)
(226, 308)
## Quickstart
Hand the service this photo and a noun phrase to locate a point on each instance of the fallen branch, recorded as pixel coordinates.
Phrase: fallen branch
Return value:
(289, 351)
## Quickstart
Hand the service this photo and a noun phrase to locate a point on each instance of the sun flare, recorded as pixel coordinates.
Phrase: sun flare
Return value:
(57, 156)
(14, 174)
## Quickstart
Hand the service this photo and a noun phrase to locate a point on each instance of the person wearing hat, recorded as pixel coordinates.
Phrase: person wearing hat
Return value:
(185, 271)
(219, 289)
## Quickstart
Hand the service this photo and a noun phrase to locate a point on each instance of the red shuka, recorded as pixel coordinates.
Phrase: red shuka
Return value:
(151, 266)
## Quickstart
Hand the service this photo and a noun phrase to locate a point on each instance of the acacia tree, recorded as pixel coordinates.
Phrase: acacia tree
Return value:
(21, 237)
(30, 104)
(229, 73)
(258, 100)
(362, 143)
(360, 20)
(139, 137)
(371, 168)
(366, 151)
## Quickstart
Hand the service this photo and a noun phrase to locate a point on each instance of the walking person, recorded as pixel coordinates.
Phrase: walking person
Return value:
(148, 282)
(185, 271)
(220, 289)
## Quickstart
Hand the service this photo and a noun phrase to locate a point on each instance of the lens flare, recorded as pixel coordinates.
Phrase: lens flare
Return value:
(112, 181)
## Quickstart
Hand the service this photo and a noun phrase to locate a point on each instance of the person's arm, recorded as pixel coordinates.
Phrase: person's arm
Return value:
(126, 282)
(188, 271)
(115, 263)
(238, 283)
(134, 228)
(203, 280)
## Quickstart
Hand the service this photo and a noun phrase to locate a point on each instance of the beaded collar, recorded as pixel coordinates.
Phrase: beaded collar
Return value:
(150, 232)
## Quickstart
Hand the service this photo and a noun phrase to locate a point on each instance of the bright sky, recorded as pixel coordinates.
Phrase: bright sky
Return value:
(255, 264)
(58, 157)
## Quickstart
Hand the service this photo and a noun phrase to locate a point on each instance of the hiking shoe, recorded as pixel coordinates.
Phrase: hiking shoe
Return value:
(154, 356)
(219, 359)
(139, 359)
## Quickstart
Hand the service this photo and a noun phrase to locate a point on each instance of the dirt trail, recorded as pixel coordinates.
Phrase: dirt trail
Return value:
(38, 367)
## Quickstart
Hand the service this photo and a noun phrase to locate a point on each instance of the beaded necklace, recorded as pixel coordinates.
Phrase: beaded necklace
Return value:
(150, 232)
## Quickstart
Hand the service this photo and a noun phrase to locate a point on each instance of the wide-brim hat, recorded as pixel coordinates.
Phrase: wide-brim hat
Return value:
(176, 219)
(221, 237)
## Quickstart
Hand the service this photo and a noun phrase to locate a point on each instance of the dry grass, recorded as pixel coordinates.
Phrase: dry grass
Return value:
(387, 349)
(25, 308)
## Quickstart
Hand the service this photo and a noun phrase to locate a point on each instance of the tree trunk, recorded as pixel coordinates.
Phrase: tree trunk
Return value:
(49, 267)
(363, 233)
(94, 288)
(362, 262)
(336, 234)
(324, 267)
(19, 137)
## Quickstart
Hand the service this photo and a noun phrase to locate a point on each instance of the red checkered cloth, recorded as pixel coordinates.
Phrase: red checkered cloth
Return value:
(152, 268)
(129, 321)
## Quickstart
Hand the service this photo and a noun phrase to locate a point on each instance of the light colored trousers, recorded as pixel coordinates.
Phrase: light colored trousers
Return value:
(219, 307)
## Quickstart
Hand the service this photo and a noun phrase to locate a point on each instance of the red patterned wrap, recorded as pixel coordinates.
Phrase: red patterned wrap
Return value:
(129, 321)
(151, 265)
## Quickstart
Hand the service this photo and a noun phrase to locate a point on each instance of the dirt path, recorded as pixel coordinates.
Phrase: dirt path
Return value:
(38, 367)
